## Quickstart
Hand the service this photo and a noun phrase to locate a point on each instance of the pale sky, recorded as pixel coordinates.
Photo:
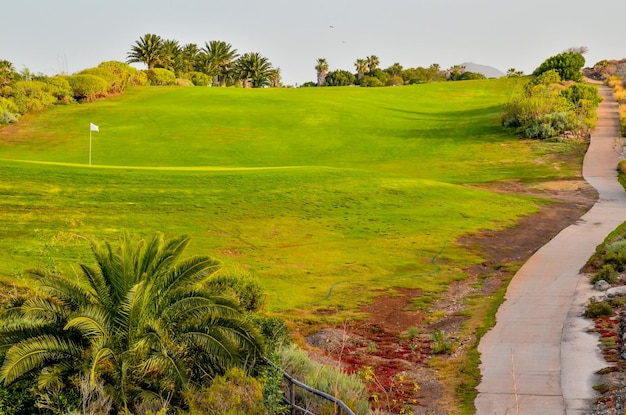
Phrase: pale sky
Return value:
(55, 36)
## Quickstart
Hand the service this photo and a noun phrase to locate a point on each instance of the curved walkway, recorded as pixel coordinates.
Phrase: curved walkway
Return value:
(539, 358)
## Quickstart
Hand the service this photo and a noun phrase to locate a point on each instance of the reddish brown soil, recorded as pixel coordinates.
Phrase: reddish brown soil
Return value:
(396, 366)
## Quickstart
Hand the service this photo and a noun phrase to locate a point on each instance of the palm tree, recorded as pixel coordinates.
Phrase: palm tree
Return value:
(189, 57)
(372, 63)
(7, 72)
(138, 321)
(170, 55)
(361, 68)
(253, 69)
(322, 71)
(220, 55)
(146, 50)
(395, 69)
(274, 77)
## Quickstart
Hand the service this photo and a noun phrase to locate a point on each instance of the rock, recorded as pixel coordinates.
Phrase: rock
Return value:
(620, 290)
(601, 285)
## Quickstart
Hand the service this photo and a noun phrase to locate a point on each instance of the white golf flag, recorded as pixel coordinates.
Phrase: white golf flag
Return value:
(93, 127)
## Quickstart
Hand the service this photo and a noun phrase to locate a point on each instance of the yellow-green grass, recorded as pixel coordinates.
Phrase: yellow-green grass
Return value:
(327, 195)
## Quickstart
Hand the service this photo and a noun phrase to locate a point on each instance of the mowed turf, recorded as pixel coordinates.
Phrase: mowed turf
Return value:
(326, 195)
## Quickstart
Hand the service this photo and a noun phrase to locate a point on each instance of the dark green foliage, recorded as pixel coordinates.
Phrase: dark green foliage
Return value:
(370, 81)
(467, 76)
(274, 331)
(567, 64)
(597, 309)
(340, 78)
(246, 289)
(18, 398)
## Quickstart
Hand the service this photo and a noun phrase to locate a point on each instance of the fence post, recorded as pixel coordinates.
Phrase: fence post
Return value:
(292, 397)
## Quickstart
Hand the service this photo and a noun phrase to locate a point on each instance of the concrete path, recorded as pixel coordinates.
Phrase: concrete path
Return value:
(539, 358)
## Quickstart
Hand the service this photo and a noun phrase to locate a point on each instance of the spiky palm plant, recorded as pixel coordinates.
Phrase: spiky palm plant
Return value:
(139, 321)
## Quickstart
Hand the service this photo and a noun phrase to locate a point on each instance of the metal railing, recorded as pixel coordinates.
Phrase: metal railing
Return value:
(290, 395)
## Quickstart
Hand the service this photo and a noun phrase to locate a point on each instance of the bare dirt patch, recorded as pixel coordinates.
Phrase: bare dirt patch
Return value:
(393, 347)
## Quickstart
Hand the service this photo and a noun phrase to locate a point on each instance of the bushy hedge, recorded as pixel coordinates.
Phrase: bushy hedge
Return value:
(86, 87)
(23, 92)
(160, 76)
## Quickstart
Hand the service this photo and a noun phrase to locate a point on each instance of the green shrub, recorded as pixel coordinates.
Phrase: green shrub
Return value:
(370, 81)
(160, 76)
(607, 273)
(274, 331)
(246, 289)
(595, 309)
(86, 87)
(440, 342)
(232, 394)
(198, 78)
(184, 82)
(17, 398)
(62, 89)
(8, 111)
(30, 96)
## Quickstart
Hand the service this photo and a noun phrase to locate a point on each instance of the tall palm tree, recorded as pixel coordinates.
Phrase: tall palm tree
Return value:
(361, 68)
(220, 55)
(254, 70)
(170, 55)
(322, 71)
(146, 50)
(372, 63)
(189, 57)
(139, 321)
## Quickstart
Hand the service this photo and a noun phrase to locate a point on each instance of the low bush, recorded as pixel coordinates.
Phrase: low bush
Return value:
(596, 309)
(245, 288)
(606, 273)
(160, 76)
(86, 87)
(232, 394)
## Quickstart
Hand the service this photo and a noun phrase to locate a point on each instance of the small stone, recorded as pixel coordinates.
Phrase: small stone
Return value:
(601, 285)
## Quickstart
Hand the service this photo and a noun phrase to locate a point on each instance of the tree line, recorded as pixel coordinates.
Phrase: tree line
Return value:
(368, 74)
(216, 63)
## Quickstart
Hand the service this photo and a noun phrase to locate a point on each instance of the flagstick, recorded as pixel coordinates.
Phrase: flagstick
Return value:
(90, 146)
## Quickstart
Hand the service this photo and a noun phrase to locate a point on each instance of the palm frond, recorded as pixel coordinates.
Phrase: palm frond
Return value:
(98, 356)
(34, 353)
(70, 293)
(93, 322)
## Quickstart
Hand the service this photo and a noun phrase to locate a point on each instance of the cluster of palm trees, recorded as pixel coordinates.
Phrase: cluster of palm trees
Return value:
(217, 59)
(363, 66)
(140, 325)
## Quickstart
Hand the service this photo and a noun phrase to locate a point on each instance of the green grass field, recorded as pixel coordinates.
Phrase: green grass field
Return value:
(310, 190)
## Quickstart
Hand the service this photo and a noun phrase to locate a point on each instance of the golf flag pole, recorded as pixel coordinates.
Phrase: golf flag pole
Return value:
(92, 127)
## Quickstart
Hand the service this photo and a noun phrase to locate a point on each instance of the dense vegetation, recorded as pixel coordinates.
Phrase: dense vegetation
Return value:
(554, 103)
